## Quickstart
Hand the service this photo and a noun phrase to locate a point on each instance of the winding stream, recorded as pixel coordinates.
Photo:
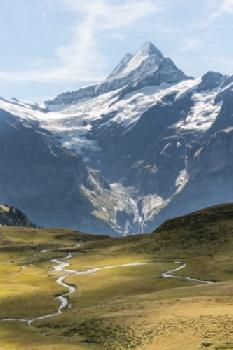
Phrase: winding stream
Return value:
(169, 274)
(61, 266)
(63, 298)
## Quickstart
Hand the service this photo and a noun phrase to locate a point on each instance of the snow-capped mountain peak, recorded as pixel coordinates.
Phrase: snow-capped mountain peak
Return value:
(145, 144)
(147, 67)
(148, 49)
(129, 63)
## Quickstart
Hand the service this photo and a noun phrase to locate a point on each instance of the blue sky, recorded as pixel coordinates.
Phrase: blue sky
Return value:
(52, 46)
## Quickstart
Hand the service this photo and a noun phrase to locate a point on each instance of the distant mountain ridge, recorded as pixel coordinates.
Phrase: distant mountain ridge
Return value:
(146, 144)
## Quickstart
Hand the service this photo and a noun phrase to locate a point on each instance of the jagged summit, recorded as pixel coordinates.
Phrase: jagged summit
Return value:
(150, 49)
(148, 53)
(147, 67)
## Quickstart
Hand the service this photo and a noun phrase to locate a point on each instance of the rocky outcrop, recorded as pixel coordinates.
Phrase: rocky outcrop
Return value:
(11, 216)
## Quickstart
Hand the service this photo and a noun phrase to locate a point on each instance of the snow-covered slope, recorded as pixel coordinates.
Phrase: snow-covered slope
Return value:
(148, 67)
(148, 135)
(148, 55)
(121, 66)
(73, 124)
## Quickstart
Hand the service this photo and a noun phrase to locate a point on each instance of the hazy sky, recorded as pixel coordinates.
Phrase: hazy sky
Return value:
(51, 46)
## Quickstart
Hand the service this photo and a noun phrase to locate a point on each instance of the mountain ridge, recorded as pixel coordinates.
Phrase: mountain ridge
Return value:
(144, 63)
(158, 147)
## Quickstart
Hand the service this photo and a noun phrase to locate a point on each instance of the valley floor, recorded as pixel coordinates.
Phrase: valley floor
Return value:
(117, 308)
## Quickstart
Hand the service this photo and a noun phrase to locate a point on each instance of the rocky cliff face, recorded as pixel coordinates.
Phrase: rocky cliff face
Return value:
(147, 144)
(41, 177)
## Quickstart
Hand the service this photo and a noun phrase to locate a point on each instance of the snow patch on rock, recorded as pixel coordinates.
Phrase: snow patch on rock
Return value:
(203, 114)
(182, 180)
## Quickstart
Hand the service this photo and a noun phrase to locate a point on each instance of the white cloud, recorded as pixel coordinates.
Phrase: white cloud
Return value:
(227, 6)
(191, 44)
(215, 9)
(82, 58)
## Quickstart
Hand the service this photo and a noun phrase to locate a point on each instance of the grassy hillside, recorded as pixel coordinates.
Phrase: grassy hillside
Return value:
(123, 307)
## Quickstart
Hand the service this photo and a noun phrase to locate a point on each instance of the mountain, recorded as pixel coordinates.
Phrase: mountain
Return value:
(147, 67)
(146, 144)
(11, 216)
